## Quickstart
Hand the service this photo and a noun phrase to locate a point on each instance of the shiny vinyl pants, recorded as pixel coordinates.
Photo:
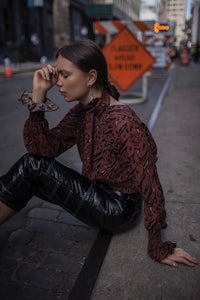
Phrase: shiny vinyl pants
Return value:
(94, 203)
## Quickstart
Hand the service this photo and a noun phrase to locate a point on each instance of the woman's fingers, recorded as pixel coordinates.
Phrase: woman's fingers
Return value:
(169, 262)
(180, 256)
(175, 261)
(47, 72)
(45, 78)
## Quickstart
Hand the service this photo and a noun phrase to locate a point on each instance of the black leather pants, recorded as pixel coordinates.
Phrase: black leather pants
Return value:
(94, 203)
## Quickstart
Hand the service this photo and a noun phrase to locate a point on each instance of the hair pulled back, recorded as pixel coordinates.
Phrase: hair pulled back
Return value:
(86, 55)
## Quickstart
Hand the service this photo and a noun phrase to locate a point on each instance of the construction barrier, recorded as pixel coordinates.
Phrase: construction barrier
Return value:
(128, 60)
(159, 44)
(184, 57)
(113, 27)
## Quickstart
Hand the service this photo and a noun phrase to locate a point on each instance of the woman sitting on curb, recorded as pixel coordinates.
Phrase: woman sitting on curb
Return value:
(117, 151)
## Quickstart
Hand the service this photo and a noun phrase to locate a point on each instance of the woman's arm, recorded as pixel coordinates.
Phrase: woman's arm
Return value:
(42, 141)
(38, 138)
(142, 152)
(154, 204)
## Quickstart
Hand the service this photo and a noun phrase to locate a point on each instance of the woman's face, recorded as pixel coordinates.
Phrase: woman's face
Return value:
(73, 83)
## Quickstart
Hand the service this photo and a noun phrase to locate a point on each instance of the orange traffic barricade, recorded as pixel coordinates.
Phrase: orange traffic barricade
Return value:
(184, 57)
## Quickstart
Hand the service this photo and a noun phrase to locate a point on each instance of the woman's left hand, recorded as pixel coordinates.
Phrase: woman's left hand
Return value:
(180, 256)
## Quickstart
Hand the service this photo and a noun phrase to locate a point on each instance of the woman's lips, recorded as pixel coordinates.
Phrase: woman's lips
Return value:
(62, 94)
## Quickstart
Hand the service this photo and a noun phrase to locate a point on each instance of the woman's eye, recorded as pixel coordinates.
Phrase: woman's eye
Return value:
(64, 75)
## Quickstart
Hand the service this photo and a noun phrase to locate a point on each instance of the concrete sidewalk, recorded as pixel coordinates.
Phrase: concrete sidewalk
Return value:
(128, 273)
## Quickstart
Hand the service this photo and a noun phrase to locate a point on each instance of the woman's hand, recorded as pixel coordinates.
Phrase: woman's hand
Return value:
(43, 80)
(180, 256)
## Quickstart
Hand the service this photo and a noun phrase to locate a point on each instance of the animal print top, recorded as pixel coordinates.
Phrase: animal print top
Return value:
(115, 147)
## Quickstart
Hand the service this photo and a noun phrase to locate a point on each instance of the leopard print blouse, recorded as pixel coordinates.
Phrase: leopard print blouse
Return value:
(116, 147)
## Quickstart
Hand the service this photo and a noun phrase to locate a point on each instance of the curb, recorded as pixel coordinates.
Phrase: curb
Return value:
(23, 67)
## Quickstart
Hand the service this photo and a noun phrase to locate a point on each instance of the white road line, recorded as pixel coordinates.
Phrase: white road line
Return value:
(157, 107)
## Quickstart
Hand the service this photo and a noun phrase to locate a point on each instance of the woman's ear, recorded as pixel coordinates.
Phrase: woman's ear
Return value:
(92, 76)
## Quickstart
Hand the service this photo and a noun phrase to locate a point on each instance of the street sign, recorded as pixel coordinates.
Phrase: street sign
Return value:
(160, 54)
(127, 59)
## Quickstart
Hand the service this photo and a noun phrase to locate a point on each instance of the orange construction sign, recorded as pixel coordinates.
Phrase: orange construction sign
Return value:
(127, 59)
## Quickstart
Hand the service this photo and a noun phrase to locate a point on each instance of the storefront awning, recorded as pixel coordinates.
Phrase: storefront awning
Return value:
(98, 10)
(104, 11)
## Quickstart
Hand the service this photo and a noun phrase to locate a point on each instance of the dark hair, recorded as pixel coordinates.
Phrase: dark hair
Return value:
(86, 55)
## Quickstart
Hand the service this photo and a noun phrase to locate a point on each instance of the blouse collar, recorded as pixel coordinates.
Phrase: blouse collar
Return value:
(96, 103)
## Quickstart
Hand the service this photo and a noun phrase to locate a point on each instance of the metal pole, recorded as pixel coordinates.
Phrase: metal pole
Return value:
(136, 98)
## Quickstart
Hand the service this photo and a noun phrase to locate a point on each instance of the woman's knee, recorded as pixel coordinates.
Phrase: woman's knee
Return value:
(35, 164)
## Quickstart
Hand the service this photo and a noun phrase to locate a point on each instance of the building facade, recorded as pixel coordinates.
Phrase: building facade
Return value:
(26, 29)
(150, 10)
(123, 10)
(176, 11)
(70, 21)
(30, 29)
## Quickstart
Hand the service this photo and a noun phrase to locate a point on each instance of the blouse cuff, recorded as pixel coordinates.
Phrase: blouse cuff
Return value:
(47, 105)
(157, 249)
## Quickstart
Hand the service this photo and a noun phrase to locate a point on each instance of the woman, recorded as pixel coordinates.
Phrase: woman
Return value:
(117, 151)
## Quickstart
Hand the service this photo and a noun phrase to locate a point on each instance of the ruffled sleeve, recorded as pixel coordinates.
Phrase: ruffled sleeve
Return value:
(46, 106)
(157, 249)
(39, 139)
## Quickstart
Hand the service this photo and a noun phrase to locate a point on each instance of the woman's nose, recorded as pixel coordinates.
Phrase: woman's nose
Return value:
(59, 82)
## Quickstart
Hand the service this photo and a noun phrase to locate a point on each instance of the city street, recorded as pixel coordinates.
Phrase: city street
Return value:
(152, 52)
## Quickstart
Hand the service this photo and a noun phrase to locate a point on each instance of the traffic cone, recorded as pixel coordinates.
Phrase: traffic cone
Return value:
(184, 57)
(8, 70)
